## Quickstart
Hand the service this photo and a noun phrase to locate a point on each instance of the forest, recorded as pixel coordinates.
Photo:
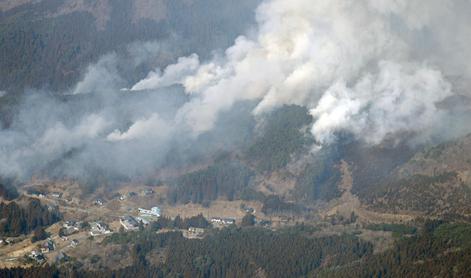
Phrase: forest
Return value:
(19, 219)
(225, 179)
(280, 138)
(8, 192)
(439, 249)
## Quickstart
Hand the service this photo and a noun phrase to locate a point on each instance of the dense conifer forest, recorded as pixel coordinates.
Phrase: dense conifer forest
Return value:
(18, 219)
(439, 249)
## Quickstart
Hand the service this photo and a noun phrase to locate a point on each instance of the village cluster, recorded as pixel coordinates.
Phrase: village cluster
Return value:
(94, 229)
(99, 228)
(72, 232)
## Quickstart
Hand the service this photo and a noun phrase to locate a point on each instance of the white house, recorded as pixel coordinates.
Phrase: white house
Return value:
(99, 228)
(154, 212)
(223, 221)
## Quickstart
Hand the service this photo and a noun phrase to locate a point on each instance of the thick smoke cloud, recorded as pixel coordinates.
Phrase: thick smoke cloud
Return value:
(372, 68)
(398, 98)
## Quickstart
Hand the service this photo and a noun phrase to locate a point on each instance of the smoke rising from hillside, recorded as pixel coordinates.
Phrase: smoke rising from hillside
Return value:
(374, 69)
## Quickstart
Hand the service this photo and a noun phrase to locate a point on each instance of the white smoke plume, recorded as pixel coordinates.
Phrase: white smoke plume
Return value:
(172, 74)
(153, 127)
(372, 68)
(101, 77)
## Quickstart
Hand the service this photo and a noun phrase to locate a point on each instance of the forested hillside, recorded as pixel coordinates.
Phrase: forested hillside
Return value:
(432, 181)
(225, 179)
(48, 44)
(22, 218)
(438, 250)
(441, 250)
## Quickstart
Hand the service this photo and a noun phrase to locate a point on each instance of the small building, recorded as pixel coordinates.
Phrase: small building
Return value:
(194, 230)
(48, 246)
(35, 192)
(153, 212)
(129, 223)
(194, 233)
(72, 224)
(56, 195)
(223, 221)
(148, 192)
(74, 243)
(99, 202)
(70, 227)
(37, 256)
(68, 231)
(143, 220)
(247, 209)
(69, 223)
(99, 228)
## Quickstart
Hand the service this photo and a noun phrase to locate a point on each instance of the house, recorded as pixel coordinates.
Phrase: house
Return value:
(143, 220)
(148, 192)
(56, 195)
(47, 246)
(70, 227)
(37, 256)
(222, 221)
(194, 233)
(64, 232)
(72, 224)
(247, 209)
(198, 231)
(74, 243)
(99, 228)
(153, 212)
(129, 223)
(35, 192)
(99, 202)
(216, 220)
(69, 224)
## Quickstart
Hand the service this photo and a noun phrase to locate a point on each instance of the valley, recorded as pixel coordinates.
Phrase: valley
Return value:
(339, 216)
(236, 138)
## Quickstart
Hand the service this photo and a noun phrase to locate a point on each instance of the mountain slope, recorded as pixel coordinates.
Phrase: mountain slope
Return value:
(434, 182)
(48, 43)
